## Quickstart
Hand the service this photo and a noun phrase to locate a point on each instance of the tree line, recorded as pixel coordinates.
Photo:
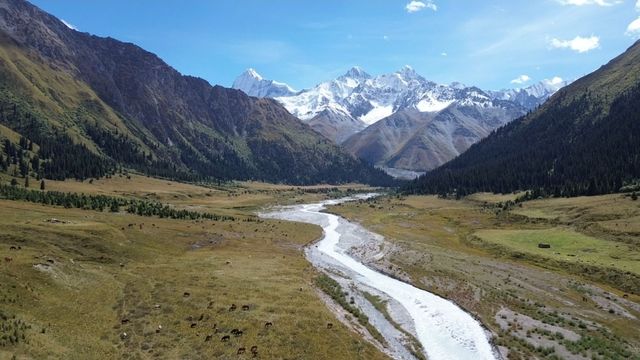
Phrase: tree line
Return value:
(104, 202)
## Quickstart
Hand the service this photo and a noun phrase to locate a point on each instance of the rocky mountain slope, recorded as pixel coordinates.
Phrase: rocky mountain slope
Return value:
(74, 93)
(419, 141)
(584, 140)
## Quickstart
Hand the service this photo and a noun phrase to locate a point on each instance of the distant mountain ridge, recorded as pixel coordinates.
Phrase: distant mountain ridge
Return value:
(114, 104)
(361, 112)
(584, 140)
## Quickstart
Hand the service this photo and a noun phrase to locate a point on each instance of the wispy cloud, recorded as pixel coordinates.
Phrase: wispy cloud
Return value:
(69, 25)
(579, 43)
(634, 28)
(415, 6)
(521, 79)
(590, 2)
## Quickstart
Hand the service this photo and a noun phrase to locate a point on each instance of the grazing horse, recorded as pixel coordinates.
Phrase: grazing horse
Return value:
(268, 324)
(225, 338)
(245, 307)
(254, 350)
(193, 325)
(241, 351)
(233, 307)
(8, 259)
(209, 337)
(329, 326)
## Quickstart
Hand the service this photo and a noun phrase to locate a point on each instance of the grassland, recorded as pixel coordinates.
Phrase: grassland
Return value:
(83, 284)
(567, 246)
(483, 254)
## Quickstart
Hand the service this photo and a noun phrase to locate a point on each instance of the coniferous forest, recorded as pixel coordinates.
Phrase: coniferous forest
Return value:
(583, 148)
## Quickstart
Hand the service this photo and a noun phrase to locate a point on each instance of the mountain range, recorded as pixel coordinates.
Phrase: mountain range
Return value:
(93, 104)
(401, 120)
(584, 140)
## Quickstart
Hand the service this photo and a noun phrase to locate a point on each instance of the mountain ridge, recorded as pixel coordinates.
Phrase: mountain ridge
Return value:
(351, 107)
(177, 126)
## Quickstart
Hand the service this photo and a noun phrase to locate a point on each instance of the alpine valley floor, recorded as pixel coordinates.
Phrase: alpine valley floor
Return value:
(577, 300)
(84, 284)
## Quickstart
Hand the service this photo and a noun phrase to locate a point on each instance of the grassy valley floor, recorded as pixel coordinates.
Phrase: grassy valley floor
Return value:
(83, 284)
(579, 299)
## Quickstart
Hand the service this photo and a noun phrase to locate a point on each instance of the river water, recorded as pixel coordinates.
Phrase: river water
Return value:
(444, 329)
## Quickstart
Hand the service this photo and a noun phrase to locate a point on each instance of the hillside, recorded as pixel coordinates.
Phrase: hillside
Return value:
(94, 104)
(419, 141)
(585, 140)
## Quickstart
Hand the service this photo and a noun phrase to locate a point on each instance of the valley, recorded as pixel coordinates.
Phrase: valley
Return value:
(576, 300)
(148, 211)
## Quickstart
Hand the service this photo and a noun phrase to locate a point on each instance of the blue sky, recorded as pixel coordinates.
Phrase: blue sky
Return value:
(488, 43)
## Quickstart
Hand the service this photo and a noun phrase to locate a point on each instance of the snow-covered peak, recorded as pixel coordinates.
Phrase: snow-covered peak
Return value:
(457, 85)
(252, 84)
(251, 72)
(533, 95)
(356, 72)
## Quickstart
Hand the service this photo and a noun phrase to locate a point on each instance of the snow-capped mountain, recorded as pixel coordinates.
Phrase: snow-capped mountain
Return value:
(252, 84)
(370, 99)
(424, 123)
(534, 95)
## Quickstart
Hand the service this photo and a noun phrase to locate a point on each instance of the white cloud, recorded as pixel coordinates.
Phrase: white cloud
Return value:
(579, 43)
(444, 54)
(589, 2)
(385, 37)
(69, 25)
(415, 6)
(634, 28)
(638, 5)
(555, 81)
(521, 79)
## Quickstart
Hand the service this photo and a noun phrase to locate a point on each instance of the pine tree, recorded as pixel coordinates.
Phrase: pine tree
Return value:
(26, 182)
(14, 182)
(42, 185)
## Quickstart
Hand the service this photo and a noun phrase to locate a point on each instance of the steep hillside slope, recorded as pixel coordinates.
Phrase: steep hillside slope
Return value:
(584, 140)
(420, 141)
(106, 102)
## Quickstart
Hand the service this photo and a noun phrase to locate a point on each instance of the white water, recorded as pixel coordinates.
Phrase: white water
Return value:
(445, 330)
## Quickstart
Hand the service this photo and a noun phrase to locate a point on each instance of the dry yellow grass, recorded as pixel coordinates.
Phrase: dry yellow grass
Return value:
(81, 283)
